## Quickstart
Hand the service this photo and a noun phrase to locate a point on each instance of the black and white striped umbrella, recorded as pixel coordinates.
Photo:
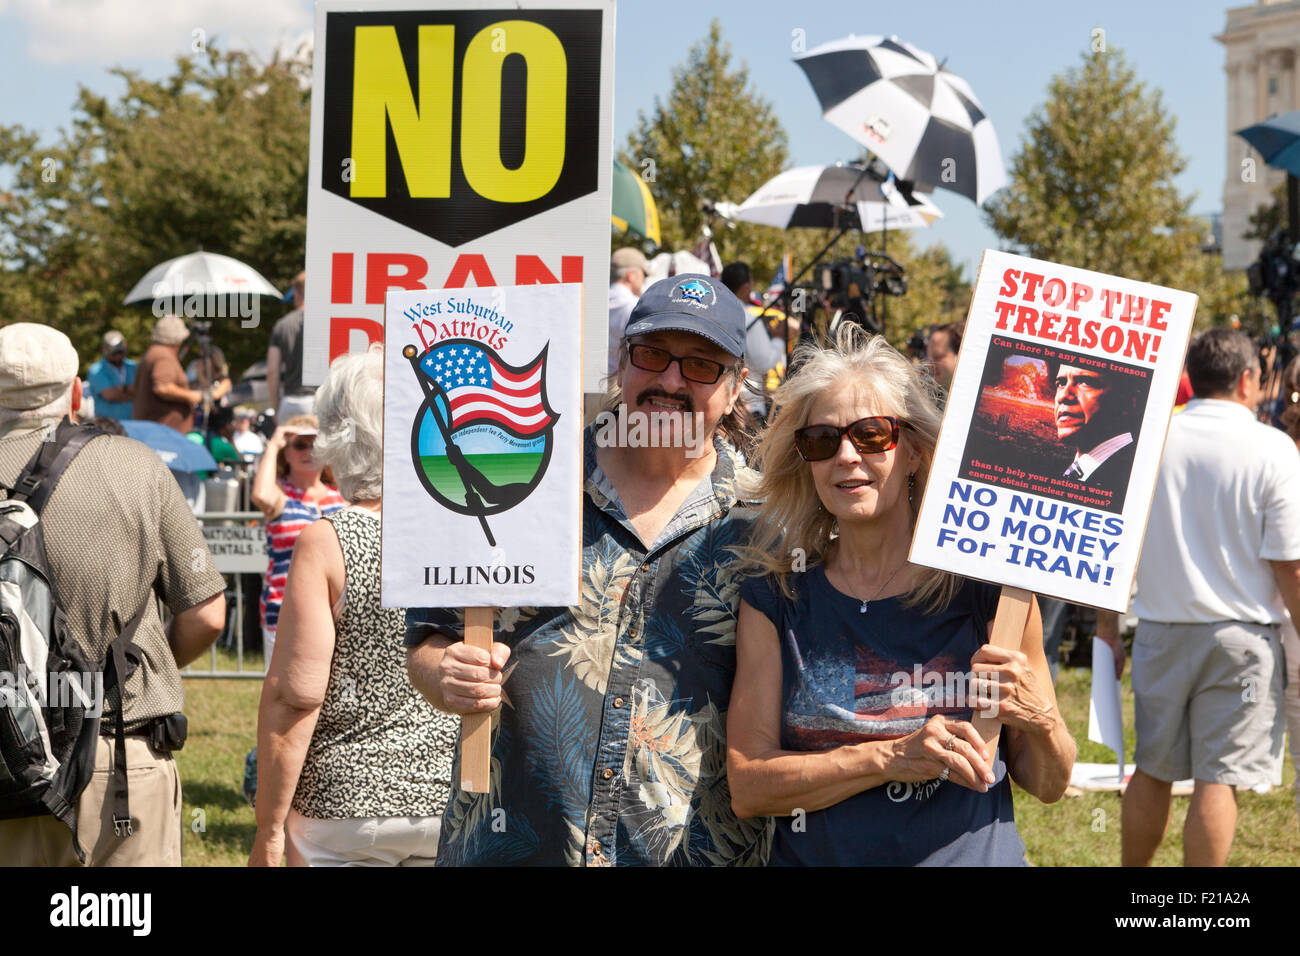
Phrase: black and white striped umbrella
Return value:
(827, 197)
(922, 121)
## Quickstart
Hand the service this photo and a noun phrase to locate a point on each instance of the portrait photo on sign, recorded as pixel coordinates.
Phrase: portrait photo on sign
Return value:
(1056, 423)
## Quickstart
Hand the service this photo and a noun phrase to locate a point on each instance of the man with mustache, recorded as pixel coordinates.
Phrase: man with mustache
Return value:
(610, 746)
(1096, 415)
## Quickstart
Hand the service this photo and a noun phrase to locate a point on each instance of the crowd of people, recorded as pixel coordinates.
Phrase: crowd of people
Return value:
(723, 692)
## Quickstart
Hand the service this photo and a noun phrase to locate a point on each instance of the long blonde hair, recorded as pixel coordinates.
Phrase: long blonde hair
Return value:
(792, 516)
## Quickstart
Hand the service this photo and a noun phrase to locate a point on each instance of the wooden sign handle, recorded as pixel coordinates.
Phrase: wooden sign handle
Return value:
(1008, 632)
(476, 729)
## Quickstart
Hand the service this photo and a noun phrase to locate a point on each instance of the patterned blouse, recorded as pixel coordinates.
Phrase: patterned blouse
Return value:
(281, 533)
(379, 749)
(610, 745)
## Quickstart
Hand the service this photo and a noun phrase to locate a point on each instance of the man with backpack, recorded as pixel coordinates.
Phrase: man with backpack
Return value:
(114, 532)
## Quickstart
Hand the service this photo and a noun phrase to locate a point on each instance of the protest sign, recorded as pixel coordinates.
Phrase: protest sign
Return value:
(482, 447)
(1057, 416)
(456, 147)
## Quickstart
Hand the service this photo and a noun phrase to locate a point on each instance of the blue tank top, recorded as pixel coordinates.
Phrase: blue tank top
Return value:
(849, 677)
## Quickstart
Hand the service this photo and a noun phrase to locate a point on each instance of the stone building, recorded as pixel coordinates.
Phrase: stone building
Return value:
(1262, 42)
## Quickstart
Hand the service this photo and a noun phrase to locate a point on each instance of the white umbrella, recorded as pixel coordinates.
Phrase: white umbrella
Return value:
(921, 120)
(200, 273)
(673, 264)
(826, 197)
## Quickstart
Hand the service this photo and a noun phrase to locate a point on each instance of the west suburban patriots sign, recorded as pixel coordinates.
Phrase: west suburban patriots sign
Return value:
(457, 144)
(482, 447)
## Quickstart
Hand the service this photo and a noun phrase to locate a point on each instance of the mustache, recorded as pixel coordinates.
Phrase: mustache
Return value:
(688, 404)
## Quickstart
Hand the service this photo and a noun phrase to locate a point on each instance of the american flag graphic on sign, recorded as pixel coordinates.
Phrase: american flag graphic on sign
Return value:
(479, 387)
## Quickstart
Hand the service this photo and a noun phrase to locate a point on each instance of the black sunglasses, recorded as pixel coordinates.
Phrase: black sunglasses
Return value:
(694, 369)
(870, 436)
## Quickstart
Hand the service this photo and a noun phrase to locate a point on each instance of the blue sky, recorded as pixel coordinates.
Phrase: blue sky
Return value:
(1008, 51)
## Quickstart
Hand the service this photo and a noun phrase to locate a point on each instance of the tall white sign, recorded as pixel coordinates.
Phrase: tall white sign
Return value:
(1056, 420)
(457, 146)
(482, 447)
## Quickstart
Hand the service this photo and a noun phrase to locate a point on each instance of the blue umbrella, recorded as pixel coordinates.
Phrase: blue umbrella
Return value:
(177, 452)
(1278, 141)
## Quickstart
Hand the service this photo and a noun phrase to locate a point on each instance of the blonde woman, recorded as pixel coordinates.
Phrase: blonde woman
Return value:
(851, 709)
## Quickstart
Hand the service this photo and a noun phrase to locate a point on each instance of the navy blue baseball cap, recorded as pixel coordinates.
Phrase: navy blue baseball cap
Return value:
(691, 303)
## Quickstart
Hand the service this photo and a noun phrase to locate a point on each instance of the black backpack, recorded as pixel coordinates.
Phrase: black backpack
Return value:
(51, 692)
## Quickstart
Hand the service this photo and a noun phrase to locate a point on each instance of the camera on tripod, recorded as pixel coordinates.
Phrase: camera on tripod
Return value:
(851, 285)
(1275, 275)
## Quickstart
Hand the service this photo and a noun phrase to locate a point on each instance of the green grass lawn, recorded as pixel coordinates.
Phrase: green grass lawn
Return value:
(218, 821)
(1071, 832)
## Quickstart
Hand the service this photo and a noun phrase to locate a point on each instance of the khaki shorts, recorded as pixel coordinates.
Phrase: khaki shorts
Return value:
(154, 792)
(1209, 702)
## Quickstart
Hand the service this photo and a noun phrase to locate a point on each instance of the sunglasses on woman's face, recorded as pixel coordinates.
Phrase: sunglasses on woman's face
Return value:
(869, 436)
(302, 444)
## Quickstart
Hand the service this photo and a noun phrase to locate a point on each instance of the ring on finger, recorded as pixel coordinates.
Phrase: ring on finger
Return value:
(951, 742)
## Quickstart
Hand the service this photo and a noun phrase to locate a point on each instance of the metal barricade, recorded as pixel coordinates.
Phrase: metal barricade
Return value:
(237, 543)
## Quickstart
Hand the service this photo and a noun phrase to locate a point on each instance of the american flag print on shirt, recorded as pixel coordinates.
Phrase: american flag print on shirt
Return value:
(479, 387)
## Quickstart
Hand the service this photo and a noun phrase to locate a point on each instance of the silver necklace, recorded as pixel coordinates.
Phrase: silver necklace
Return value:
(865, 601)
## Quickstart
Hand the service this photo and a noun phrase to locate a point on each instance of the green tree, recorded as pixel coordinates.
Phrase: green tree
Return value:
(1093, 186)
(1269, 217)
(213, 157)
(715, 137)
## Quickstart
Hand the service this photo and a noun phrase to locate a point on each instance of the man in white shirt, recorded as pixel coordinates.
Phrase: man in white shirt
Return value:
(1220, 561)
(627, 273)
(1096, 415)
(247, 441)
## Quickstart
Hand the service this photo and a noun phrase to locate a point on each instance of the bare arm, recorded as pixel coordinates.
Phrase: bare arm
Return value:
(766, 780)
(296, 682)
(1108, 631)
(1018, 685)
(193, 630)
(1287, 575)
(455, 677)
(266, 494)
(422, 668)
(118, 393)
(171, 392)
(273, 374)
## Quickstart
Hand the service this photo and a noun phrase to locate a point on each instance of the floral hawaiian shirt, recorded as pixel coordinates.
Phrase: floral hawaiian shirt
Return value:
(610, 745)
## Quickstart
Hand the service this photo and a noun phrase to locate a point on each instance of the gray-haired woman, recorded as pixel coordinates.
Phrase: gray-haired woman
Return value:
(355, 766)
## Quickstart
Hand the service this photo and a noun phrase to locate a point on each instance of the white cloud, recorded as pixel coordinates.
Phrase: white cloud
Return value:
(114, 31)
